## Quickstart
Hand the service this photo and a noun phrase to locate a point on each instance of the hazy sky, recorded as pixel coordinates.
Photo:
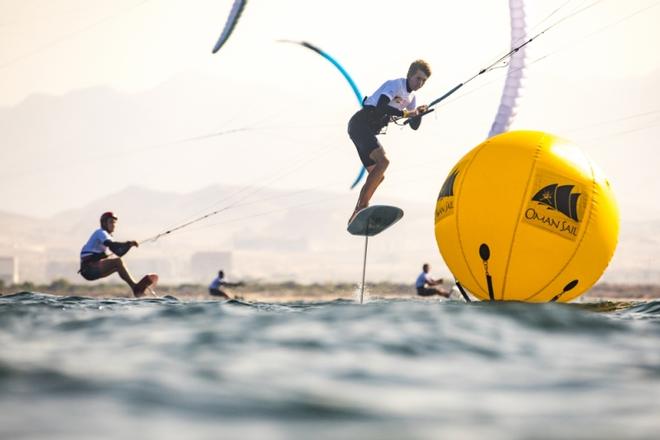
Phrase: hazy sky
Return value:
(594, 78)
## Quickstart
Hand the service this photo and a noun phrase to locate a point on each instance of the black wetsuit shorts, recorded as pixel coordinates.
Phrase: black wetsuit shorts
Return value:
(90, 269)
(363, 128)
(425, 291)
(217, 292)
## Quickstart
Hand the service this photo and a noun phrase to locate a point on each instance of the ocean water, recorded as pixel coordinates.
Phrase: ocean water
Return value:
(82, 368)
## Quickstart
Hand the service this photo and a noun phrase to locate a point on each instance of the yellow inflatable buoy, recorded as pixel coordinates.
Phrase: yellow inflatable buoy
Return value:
(526, 216)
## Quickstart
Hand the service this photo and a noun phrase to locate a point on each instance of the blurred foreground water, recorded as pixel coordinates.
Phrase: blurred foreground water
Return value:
(82, 368)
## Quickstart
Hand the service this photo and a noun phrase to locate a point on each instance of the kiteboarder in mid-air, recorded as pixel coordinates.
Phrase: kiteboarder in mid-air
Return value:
(394, 99)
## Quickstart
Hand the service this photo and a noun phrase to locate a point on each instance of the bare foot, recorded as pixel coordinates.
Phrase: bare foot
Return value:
(357, 209)
(444, 293)
(142, 285)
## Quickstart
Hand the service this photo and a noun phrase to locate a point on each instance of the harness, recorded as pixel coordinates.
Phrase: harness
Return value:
(375, 120)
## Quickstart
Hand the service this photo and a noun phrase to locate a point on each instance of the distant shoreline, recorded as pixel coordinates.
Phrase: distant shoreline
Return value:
(292, 291)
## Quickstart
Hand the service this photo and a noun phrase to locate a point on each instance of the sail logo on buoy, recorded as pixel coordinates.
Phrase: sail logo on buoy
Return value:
(559, 198)
(447, 189)
(556, 207)
(445, 205)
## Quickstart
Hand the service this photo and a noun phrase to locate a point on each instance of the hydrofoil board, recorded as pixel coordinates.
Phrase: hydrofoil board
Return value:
(373, 220)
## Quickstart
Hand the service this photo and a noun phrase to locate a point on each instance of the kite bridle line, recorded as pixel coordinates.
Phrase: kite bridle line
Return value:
(481, 72)
(198, 219)
(509, 54)
(240, 197)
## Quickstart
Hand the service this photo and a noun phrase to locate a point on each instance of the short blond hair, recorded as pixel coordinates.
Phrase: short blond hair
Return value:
(419, 65)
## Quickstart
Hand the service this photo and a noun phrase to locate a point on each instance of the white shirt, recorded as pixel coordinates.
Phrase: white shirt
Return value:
(216, 283)
(423, 279)
(397, 91)
(95, 243)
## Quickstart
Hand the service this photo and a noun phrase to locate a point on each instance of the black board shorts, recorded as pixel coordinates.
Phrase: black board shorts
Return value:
(217, 292)
(425, 291)
(90, 270)
(363, 134)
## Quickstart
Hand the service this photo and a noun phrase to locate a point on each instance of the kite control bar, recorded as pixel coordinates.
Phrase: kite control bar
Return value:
(407, 121)
(445, 96)
(492, 65)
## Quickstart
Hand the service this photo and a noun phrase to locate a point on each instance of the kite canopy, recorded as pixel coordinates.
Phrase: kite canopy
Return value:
(347, 77)
(234, 15)
(514, 77)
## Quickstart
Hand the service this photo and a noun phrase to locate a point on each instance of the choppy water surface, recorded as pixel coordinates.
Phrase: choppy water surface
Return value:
(81, 368)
